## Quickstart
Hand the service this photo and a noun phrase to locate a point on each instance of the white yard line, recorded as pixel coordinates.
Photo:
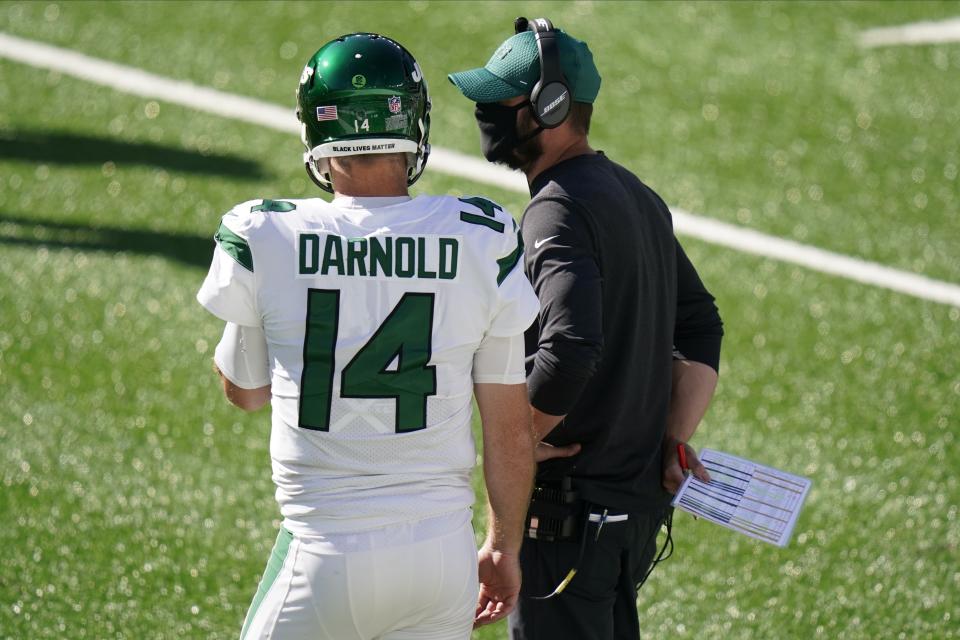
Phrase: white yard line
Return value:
(914, 33)
(141, 83)
(761, 244)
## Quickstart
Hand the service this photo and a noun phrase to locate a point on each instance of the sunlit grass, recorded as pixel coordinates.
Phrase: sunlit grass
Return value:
(137, 503)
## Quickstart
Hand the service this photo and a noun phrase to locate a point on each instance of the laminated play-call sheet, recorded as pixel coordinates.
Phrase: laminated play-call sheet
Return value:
(750, 498)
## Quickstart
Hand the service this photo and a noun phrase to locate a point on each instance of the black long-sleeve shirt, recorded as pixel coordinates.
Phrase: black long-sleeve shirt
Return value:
(617, 297)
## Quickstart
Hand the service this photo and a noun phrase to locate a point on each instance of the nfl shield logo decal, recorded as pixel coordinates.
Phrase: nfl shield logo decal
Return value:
(394, 104)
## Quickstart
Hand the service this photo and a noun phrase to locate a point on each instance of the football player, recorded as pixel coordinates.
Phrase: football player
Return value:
(366, 323)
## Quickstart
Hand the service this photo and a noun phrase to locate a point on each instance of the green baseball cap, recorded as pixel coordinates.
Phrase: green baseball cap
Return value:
(514, 69)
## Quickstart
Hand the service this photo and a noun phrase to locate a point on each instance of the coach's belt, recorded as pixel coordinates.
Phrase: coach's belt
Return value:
(602, 517)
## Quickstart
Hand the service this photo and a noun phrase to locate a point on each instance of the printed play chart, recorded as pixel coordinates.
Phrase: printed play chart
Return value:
(750, 498)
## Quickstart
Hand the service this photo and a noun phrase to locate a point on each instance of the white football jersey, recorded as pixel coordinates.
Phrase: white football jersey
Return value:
(372, 317)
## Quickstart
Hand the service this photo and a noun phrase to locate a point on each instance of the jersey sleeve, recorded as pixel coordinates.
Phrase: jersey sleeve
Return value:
(242, 356)
(499, 361)
(229, 291)
(516, 304)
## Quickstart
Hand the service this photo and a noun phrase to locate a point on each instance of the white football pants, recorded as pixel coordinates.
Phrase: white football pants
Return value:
(414, 588)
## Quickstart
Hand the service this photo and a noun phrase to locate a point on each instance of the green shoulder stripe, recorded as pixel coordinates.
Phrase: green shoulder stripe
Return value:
(235, 246)
(473, 218)
(279, 206)
(508, 262)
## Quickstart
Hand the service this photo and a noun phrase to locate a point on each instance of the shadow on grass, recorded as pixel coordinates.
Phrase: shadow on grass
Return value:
(188, 249)
(71, 148)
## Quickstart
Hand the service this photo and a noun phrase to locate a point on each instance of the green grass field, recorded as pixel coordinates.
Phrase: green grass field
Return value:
(136, 503)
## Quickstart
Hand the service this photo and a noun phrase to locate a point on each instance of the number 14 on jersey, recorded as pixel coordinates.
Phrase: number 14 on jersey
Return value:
(405, 336)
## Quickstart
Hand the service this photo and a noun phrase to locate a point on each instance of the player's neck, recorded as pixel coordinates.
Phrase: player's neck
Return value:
(365, 189)
(371, 178)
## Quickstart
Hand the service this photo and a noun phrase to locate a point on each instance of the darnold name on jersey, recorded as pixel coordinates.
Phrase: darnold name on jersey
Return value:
(426, 257)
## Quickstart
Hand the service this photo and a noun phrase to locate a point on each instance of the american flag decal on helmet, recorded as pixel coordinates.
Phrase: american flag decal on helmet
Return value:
(326, 113)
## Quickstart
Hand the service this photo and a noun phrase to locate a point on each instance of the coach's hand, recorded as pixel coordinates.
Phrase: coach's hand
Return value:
(546, 451)
(673, 474)
(499, 585)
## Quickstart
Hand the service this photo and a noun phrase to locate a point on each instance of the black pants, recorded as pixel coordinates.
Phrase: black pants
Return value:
(601, 601)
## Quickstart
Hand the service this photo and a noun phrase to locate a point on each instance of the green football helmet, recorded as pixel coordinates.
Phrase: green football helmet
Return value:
(363, 93)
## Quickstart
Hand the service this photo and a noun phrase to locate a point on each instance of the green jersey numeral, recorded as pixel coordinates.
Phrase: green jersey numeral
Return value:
(392, 364)
(488, 208)
(319, 345)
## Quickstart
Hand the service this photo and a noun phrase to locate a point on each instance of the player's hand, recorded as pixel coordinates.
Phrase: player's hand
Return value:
(673, 475)
(546, 451)
(499, 585)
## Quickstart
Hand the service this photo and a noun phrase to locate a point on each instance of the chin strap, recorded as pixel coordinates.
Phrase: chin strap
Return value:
(319, 179)
(418, 165)
(419, 159)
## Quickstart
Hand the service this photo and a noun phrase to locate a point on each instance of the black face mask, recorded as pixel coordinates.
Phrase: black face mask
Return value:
(498, 131)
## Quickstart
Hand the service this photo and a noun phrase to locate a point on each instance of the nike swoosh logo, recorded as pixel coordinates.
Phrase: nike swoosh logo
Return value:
(539, 243)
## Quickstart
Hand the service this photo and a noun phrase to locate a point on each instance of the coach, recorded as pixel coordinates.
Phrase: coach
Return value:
(622, 361)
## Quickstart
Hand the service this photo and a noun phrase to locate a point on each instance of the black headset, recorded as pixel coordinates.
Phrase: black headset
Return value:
(550, 99)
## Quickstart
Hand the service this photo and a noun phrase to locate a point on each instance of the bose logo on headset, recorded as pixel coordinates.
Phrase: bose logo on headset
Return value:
(553, 105)
(550, 97)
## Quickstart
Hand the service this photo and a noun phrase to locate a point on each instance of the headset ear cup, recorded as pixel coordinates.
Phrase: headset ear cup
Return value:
(550, 98)
(552, 104)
